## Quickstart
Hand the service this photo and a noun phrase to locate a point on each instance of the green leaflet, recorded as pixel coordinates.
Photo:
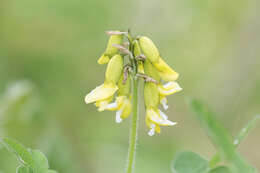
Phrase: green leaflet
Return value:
(220, 138)
(189, 162)
(32, 161)
(21, 151)
(220, 169)
(23, 169)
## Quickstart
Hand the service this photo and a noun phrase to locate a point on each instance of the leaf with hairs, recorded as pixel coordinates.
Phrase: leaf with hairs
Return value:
(189, 162)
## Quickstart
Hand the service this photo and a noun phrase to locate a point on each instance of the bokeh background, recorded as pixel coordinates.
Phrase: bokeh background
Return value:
(48, 54)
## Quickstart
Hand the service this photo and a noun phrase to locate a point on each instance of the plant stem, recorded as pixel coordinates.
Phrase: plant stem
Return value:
(133, 133)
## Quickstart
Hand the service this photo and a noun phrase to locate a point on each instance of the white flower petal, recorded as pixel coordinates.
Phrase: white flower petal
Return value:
(112, 105)
(168, 123)
(163, 115)
(152, 130)
(168, 84)
(164, 103)
(118, 115)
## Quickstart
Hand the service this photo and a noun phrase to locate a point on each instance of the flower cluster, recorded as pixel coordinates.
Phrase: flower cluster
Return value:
(144, 62)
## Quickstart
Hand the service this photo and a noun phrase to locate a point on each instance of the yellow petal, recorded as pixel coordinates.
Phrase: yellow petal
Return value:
(165, 71)
(104, 59)
(158, 117)
(169, 88)
(110, 50)
(127, 108)
(140, 67)
(124, 109)
(101, 92)
(120, 100)
(137, 49)
(153, 127)
(114, 39)
(102, 105)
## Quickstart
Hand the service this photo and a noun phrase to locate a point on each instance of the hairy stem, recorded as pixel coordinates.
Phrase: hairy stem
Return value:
(134, 126)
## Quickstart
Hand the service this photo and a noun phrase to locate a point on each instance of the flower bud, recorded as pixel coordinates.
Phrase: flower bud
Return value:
(149, 49)
(110, 50)
(151, 95)
(137, 51)
(151, 71)
(124, 88)
(114, 69)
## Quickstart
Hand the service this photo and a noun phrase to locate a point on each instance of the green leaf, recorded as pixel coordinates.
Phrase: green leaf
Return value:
(21, 152)
(220, 169)
(220, 138)
(40, 161)
(33, 161)
(23, 169)
(51, 171)
(189, 162)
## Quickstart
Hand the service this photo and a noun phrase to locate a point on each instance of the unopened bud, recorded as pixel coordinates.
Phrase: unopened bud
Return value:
(114, 69)
(149, 49)
(151, 95)
(151, 71)
(111, 50)
(124, 87)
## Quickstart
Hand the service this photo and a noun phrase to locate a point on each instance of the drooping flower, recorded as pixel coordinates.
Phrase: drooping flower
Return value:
(151, 52)
(154, 116)
(122, 104)
(103, 94)
(111, 50)
(164, 89)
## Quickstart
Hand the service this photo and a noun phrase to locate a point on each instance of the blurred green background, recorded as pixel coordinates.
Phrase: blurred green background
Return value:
(48, 52)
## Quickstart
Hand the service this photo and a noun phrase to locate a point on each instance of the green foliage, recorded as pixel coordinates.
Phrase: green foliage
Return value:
(220, 169)
(31, 161)
(189, 162)
(245, 130)
(23, 169)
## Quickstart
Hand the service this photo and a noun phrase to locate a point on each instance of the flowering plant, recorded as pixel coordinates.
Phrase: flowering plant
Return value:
(129, 59)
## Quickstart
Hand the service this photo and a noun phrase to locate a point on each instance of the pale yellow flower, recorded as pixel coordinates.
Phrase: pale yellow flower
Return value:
(103, 94)
(156, 118)
(152, 54)
(110, 50)
(122, 106)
